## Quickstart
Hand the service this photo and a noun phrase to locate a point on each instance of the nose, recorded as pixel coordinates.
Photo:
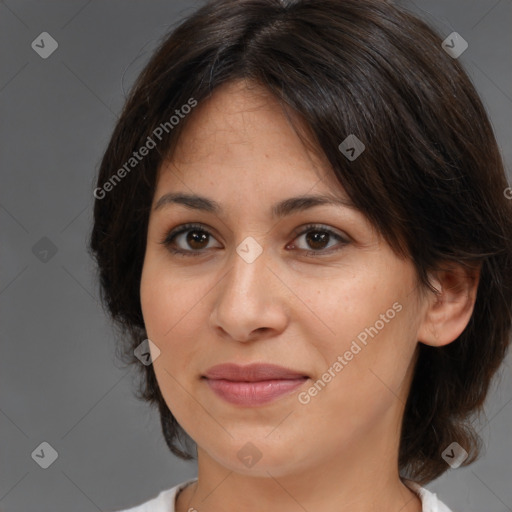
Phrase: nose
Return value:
(251, 301)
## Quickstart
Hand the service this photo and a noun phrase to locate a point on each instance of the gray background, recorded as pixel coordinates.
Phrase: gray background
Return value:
(60, 381)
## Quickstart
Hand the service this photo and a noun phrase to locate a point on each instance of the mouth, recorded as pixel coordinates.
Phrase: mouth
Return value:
(254, 384)
(253, 393)
(255, 372)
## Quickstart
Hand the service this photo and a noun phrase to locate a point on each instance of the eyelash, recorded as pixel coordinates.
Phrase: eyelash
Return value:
(169, 239)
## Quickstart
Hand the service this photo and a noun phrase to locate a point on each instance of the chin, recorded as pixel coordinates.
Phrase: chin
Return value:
(258, 457)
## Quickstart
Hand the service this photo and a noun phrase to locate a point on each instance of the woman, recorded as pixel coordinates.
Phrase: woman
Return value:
(300, 223)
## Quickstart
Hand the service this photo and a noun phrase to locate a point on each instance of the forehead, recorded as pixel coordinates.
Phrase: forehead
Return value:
(242, 134)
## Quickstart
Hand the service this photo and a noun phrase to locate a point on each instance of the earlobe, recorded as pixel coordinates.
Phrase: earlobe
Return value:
(448, 312)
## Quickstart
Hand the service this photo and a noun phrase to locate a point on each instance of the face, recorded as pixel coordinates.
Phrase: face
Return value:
(311, 288)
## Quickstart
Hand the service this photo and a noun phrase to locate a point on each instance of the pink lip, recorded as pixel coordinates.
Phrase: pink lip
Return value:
(254, 384)
(252, 372)
(253, 393)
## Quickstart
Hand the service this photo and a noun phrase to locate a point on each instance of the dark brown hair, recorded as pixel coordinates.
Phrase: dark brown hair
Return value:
(431, 179)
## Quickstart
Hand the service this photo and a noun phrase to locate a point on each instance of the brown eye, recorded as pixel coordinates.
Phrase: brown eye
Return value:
(189, 240)
(196, 239)
(317, 239)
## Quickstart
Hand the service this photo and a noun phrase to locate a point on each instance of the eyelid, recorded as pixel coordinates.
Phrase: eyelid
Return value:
(319, 227)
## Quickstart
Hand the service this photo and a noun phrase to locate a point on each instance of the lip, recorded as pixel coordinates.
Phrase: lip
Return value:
(254, 384)
(254, 372)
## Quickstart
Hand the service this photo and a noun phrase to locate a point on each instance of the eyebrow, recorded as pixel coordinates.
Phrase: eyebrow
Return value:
(280, 209)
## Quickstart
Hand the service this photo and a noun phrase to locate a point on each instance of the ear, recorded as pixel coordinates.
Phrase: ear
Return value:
(448, 313)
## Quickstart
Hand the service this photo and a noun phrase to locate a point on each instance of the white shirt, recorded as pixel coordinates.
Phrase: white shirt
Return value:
(166, 500)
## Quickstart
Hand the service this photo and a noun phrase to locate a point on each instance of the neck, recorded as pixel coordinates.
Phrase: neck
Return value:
(339, 483)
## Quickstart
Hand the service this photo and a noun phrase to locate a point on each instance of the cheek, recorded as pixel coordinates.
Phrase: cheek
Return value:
(345, 307)
(166, 300)
(369, 382)
(174, 312)
(171, 322)
(367, 320)
(152, 300)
